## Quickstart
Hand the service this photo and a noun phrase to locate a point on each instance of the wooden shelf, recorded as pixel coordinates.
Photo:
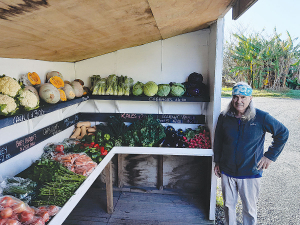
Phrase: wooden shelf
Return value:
(42, 110)
(48, 108)
(80, 192)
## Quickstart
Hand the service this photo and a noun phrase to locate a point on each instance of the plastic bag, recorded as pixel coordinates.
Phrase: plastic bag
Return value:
(18, 187)
(14, 211)
(79, 163)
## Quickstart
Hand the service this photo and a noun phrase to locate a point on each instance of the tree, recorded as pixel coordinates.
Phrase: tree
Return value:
(262, 62)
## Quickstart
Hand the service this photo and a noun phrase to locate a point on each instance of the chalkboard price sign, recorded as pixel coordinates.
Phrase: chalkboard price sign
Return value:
(167, 99)
(27, 116)
(22, 144)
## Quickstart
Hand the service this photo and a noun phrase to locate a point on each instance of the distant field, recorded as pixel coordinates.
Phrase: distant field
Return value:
(226, 92)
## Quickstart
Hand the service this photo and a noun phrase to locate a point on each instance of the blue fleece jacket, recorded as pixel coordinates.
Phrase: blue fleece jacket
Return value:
(239, 144)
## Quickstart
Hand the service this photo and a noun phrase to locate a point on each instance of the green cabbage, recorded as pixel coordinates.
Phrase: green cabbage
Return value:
(177, 89)
(150, 88)
(137, 89)
(163, 90)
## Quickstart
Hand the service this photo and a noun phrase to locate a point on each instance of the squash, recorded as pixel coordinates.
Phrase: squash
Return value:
(69, 91)
(63, 96)
(77, 88)
(49, 93)
(57, 82)
(30, 79)
(52, 74)
(86, 90)
(80, 81)
(34, 78)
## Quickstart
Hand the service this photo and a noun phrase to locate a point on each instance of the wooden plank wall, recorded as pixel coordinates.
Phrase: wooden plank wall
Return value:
(190, 174)
(73, 30)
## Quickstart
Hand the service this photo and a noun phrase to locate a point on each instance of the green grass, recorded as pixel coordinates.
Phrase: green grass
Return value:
(226, 92)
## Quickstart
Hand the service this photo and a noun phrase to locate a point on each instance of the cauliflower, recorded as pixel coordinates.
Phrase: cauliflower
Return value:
(9, 86)
(7, 105)
(28, 100)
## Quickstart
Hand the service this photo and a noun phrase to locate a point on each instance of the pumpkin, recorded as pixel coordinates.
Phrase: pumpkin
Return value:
(52, 74)
(49, 93)
(63, 96)
(34, 78)
(80, 81)
(30, 79)
(86, 90)
(77, 88)
(69, 91)
(56, 82)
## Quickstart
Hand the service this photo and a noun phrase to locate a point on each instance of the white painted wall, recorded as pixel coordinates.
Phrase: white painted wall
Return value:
(170, 60)
(16, 67)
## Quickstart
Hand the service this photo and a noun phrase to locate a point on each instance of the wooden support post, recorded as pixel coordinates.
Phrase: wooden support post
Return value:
(120, 170)
(109, 188)
(160, 180)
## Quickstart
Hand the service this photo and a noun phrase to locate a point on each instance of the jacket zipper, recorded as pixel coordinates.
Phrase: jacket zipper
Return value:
(238, 140)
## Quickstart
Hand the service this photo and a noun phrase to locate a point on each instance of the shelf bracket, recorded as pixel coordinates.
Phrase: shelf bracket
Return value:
(117, 106)
(160, 107)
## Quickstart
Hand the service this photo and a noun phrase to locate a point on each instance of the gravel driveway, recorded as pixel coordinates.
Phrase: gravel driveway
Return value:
(279, 202)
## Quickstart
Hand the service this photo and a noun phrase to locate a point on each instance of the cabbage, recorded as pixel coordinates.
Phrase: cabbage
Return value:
(163, 90)
(195, 78)
(137, 89)
(150, 88)
(177, 89)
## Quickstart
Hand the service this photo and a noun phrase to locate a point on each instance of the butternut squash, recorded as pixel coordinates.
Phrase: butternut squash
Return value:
(76, 133)
(82, 132)
(86, 124)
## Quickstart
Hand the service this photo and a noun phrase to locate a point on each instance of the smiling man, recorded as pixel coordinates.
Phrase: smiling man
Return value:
(239, 152)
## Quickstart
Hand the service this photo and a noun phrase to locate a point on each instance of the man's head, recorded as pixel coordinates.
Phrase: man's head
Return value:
(241, 97)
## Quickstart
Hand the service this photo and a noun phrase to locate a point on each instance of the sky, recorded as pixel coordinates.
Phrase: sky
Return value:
(266, 15)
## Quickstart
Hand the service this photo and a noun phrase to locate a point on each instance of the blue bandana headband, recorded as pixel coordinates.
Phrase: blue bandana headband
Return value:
(242, 89)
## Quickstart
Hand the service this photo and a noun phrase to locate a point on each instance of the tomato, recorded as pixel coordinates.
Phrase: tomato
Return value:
(53, 210)
(44, 216)
(29, 209)
(104, 152)
(38, 221)
(59, 148)
(25, 216)
(6, 213)
(41, 209)
(3, 221)
(6, 201)
(19, 207)
(12, 222)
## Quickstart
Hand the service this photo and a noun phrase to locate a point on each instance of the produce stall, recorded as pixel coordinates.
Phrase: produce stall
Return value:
(156, 52)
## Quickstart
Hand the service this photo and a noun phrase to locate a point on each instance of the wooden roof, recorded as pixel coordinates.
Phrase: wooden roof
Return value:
(73, 30)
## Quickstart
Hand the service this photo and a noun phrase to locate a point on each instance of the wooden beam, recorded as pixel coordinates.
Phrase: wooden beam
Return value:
(240, 7)
(160, 179)
(109, 188)
(120, 170)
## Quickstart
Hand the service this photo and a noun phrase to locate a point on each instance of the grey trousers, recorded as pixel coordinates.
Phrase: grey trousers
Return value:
(249, 192)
